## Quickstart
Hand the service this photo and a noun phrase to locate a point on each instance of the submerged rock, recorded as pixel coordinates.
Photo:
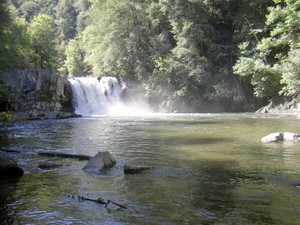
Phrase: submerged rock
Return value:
(281, 136)
(296, 184)
(49, 165)
(130, 169)
(100, 162)
(8, 166)
(64, 155)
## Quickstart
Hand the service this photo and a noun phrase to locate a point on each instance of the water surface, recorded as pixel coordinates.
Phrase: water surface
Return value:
(208, 169)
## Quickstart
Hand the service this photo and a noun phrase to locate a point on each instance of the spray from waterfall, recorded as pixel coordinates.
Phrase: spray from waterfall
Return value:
(101, 96)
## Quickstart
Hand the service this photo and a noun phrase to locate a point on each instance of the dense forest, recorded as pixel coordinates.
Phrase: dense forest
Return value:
(187, 55)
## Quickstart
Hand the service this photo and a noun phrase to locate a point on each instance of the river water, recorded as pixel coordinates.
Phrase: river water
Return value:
(208, 169)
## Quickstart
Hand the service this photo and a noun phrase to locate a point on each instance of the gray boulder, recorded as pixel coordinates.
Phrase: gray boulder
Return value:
(100, 162)
(9, 167)
(281, 136)
(130, 169)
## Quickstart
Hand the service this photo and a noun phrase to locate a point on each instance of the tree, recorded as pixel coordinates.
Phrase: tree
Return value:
(67, 16)
(184, 68)
(42, 35)
(116, 41)
(75, 59)
(82, 7)
(4, 30)
(29, 9)
(269, 63)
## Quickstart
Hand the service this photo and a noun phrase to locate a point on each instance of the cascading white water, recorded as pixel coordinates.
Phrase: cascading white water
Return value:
(95, 96)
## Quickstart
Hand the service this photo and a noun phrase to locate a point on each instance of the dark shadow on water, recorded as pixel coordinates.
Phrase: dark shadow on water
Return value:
(217, 201)
(201, 141)
(177, 123)
(201, 194)
(186, 141)
(8, 188)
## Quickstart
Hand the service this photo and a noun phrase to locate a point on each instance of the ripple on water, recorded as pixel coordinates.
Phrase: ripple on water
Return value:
(207, 169)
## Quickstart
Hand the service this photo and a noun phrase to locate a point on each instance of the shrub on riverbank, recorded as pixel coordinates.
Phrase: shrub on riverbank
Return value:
(5, 117)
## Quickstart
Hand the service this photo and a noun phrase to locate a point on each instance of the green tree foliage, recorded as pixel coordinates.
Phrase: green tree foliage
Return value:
(66, 14)
(82, 7)
(75, 59)
(23, 40)
(177, 50)
(4, 15)
(42, 35)
(6, 97)
(21, 44)
(116, 41)
(29, 9)
(183, 70)
(4, 34)
(71, 17)
(291, 74)
(271, 64)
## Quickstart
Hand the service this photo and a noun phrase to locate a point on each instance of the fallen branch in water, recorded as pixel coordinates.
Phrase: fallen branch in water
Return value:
(121, 206)
(295, 208)
(8, 149)
(99, 201)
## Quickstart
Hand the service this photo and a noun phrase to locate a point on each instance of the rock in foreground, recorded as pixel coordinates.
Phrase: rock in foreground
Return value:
(9, 167)
(100, 162)
(281, 136)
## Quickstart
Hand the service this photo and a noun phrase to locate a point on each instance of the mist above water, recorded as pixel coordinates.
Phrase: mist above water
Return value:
(94, 96)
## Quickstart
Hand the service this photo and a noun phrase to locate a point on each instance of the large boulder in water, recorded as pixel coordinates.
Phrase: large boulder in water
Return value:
(100, 162)
(8, 166)
(281, 136)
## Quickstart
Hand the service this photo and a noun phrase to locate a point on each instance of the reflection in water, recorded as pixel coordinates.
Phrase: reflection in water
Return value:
(208, 169)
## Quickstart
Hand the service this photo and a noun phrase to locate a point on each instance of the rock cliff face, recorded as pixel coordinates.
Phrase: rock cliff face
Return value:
(38, 94)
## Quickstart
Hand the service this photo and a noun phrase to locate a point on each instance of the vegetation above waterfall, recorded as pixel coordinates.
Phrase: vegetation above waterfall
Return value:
(186, 54)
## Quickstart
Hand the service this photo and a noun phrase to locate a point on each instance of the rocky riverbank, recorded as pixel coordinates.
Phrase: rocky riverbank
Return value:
(37, 94)
(289, 106)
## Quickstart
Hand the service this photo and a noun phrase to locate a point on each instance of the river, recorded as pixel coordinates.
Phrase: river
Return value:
(208, 169)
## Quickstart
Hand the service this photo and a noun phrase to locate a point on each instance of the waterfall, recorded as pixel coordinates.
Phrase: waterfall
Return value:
(95, 95)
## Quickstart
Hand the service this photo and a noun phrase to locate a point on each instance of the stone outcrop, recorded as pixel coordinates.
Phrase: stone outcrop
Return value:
(38, 94)
(100, 162)
(284, 105)
(8, 166)
(281, 136)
